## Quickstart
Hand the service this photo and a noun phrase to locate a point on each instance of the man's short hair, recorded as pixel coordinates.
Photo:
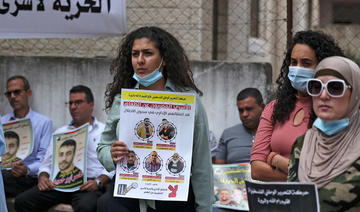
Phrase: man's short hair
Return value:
(25, 81)
(224, 189)
(131, 151)
(12, 134)
(250, 92)
(83, 89)
(69, 142)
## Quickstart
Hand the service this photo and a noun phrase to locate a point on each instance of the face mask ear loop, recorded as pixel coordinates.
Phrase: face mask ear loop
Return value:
(158, 68)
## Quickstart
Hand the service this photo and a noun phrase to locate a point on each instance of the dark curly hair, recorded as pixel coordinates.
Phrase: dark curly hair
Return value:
(177, 67)
(324, 46)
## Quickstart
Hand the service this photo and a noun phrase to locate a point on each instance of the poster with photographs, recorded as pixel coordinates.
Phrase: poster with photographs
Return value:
(229, 186)
(158, 128)
(68, 170)
(19, 142)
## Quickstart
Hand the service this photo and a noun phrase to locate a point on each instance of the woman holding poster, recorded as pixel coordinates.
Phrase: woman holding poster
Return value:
(150, 58)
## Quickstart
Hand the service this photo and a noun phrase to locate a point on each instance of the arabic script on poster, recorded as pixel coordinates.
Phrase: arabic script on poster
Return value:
(158, 128)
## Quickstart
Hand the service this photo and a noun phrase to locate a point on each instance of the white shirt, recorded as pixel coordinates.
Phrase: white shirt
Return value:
(94, 167)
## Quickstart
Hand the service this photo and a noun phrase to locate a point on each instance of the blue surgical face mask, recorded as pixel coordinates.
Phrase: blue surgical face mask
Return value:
(331, 127)
(299, 76)
(149, 79)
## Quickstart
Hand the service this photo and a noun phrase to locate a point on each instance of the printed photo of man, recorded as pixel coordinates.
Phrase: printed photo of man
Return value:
(167, 131)
(144, 129)
(153, 163)
(12, 145)
(131, 161)
(176, 165)
(69, 175)
(224, 197)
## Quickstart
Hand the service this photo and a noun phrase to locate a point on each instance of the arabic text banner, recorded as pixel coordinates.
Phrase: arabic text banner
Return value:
(282, 196)
(61, 18)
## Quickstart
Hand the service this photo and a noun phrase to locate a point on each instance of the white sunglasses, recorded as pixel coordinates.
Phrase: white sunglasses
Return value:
(335, 87)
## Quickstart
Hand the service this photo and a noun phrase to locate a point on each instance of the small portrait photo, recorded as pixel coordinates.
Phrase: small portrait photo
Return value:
(12, 140)
(69, 175)
(175, 164)
(152, 162)
(131, 162)
(18, 142)
(239, 197)
(166, 131)
(144, 129)
(225, 197)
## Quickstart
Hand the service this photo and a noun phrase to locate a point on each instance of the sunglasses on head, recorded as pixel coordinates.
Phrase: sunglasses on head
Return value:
(335, 88)
(15, 92)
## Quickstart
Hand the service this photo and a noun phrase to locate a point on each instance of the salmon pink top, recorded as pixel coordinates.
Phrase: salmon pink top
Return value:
(281, 137)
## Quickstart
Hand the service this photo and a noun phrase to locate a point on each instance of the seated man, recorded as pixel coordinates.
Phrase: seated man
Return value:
(23, 173)
(43, 196)
(236, 142)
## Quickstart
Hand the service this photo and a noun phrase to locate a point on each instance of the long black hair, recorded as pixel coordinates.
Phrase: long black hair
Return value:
(177, 67)
(324, 46)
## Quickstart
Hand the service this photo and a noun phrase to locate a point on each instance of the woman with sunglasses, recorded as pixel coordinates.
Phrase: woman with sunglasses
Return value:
(329, 153)
(289, 116)
(150, 58)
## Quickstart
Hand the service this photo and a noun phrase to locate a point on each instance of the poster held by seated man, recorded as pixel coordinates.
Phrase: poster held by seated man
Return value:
(69, 159)
(23, 173)
(19, 142)
(44, 195)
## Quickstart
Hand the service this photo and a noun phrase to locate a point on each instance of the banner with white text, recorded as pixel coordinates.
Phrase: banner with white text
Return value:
(282, 196)
(158, 129)
(61, 18)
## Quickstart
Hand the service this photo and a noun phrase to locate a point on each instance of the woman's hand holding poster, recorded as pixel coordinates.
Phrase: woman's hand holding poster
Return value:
(158, 129)
(68, 170)
(19, 142)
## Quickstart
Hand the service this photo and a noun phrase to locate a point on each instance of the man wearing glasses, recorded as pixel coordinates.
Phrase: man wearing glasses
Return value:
(23, 173)
(43, 196)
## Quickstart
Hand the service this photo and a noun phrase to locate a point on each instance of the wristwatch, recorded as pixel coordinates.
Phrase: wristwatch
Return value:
(99, 184)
